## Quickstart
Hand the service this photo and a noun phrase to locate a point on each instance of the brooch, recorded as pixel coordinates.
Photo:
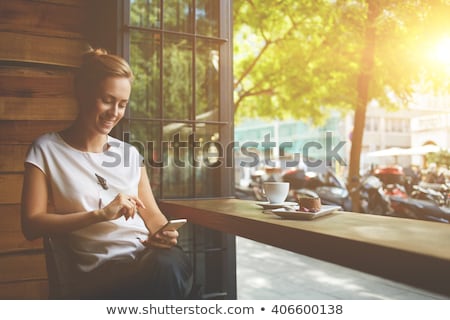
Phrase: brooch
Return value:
(102, 181)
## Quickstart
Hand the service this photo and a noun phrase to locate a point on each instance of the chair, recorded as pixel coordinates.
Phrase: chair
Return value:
(60, 268)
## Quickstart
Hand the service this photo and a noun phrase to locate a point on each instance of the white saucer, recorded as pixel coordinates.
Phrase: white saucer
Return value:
(268, 205)
(301, 215)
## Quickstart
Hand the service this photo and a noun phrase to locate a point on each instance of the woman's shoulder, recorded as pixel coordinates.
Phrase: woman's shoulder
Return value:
(45, 139)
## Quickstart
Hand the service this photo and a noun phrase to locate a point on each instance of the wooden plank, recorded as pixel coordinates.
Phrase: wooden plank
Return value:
(9, 217)
(44, 18)
(12, 108)
(25, 132)
(11, 237)
(41, 49)
(74, 3)
(11, 188)
(12, 157)
(15, 242)
(22, 267)
(24, 290)
(28, 82)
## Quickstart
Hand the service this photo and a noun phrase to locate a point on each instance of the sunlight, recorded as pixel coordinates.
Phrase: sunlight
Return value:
(441, 51)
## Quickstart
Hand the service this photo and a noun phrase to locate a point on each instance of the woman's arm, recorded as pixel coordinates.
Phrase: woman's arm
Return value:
(153, 217)
(37, 221)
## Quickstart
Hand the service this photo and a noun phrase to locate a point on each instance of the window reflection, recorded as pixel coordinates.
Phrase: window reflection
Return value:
(178, 174)
(207, 80)
(146, 137)
(145, 60)
(177, 77)
(207, 17)
(178, 15)
(145, 13)
(211, 156)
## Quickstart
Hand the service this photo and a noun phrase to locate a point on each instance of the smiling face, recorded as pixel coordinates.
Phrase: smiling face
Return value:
(107, 106)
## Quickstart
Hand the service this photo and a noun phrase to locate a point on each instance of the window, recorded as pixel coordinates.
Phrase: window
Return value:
(180, 114)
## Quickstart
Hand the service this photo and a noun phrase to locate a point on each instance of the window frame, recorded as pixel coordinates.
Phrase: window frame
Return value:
(225, 121)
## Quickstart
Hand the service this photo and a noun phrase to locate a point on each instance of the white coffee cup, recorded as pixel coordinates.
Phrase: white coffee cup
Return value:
(276, 192)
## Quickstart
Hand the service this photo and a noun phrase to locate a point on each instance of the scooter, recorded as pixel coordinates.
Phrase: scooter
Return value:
(425, 193)
(321, 181)
(373, 198)
(420, 209)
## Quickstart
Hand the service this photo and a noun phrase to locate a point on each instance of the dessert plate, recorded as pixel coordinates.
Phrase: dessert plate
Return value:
(302, 215)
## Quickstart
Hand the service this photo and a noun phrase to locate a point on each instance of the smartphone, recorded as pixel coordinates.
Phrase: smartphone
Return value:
(171, 225)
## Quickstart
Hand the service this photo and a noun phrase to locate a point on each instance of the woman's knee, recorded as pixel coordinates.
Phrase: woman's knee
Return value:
(170, 270)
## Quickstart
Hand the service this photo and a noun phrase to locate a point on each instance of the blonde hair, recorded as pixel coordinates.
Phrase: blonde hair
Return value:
(97, 65)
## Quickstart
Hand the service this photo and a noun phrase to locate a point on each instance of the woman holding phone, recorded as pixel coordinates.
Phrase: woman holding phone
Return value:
(93, 189)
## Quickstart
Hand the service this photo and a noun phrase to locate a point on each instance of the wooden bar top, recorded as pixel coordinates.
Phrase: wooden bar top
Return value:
(410, 251)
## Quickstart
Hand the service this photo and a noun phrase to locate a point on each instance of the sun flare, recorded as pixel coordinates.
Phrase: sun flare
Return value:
(442, 51)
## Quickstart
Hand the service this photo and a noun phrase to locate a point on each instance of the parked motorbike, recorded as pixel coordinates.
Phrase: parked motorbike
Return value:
(373, 198)
(424, 203)
(435, 194)
(320, 180)
(419, 209)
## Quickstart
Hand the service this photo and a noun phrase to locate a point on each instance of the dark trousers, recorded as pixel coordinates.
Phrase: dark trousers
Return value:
(155, 274)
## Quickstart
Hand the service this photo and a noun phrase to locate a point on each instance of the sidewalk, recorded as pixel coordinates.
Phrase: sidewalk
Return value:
(266, 272)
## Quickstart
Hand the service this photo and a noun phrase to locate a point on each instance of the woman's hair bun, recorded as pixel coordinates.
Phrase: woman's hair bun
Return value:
(96, 65)
(93, 53)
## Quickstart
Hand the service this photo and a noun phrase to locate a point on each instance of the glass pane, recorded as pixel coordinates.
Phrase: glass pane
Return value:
(207, 81)
(146, 137)
(178, 15)
(178, 175)
(145, 13)
(145, 60)
(210, 157)
(177, 78)
(207, 17)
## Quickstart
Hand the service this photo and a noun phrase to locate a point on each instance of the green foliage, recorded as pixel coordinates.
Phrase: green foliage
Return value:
(300, 59)
(441, 158)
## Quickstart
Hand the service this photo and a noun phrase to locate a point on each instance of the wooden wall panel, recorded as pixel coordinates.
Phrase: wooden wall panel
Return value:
(29, 82)
(12, 157)
(41, 42)
(75, 3)
(14, 267)
(12, 108)
(9, 217)
(40, 49)
(25, 132)
(11, 187)
(26, 290)
(11, 237)
(42, 17)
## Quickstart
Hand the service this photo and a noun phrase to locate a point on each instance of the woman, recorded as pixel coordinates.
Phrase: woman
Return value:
(93, 188)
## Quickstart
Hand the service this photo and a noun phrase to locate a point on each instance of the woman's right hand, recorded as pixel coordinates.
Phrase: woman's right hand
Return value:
(121, 205)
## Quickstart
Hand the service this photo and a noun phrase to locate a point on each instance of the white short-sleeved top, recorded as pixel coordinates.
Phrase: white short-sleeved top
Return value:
(74, 187)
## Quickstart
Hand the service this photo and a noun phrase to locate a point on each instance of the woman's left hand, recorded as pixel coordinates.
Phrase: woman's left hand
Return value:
(165, 239)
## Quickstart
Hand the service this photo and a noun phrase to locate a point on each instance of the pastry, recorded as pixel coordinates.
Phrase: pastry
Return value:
(308, 203)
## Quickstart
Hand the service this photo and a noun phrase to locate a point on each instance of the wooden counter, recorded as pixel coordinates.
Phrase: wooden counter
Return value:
(409, 251)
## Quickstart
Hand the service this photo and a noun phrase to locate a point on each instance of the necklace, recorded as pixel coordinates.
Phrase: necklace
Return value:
(101, 182)
(88, 158)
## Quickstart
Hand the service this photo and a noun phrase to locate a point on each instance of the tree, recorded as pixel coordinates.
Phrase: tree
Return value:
(302, 58)
(282, 59)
